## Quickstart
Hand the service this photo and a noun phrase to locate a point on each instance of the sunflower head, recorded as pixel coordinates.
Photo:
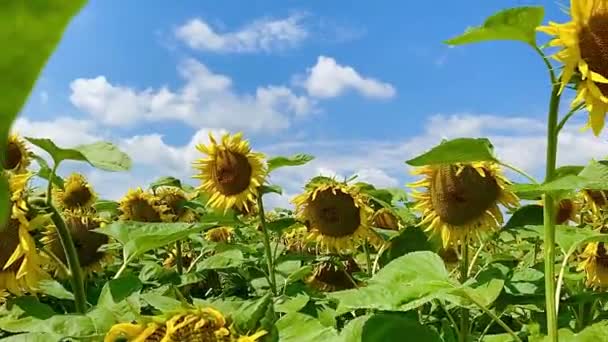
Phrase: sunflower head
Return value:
(566, 211)
(174, 198)
(328, 277)
(141, 206)
(17, 157)
(584, 55)
(231, 173)
(595, 200)
(595, 265)
(220, 234)
(188, 256)
(295, 241)
(87, 242)
(77, 193)
(462, 200)
(337, 216)
(386, 219)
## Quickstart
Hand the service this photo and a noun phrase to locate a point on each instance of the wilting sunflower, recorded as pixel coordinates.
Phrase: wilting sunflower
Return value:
(295, 241)
(595, 200)
(231, 173)
(197, 325)
(141, 206)
(77, 193)
(386, 219)
(220, 234)
(17, 157)
(174, 198)
(86, 241)
(584, 41)
(20, 263)
(337, 216)
(595, 265)
(566, 210)
(328, 277)
(462, 199)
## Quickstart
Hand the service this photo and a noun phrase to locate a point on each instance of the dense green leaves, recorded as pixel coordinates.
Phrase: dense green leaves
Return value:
(390, 327)
(227, 259)
(511, 24)
(166, 181)
(295, 160)
(297, 327)
(460, 150)
(53, 288)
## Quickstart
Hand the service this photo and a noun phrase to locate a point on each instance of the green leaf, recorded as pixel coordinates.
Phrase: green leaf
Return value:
(102, 155)
(166, 181)
(106, 205)
(44, 171)
(526, 215)
(409, 240)
(291, 304)
(281, 224)
(124, 286)
(267, 189)
(231, 258)
(32, 307)
(295, 160)
(33, 337)
(511, 24)
(162, 303)
(299, 274)
(387, 327)
(593, 176)
(251, 312)
(55, 289)
(460, 150)
(298, 327)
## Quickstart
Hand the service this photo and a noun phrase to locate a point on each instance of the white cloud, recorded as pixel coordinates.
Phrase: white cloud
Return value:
(205, 100)
(261, 35)
(64, 131)
(328, 79)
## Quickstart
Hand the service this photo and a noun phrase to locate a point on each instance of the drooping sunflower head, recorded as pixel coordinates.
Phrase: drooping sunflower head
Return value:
(17, 157)
(595, 265)
(595, 200)
(203, 324)
(461, 200)
(231, 173)
(329, 277)
(141, 206)
(386, 219)
(337, 216)
(20, 263)
(583, 41)
(295, 240)
(566, 211)
(220, 234)
(77, 193)
(174, 198)
(87, 242)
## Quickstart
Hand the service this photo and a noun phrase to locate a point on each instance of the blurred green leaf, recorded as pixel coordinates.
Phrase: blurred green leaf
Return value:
(268, 189)
(166, 181)
(228, 259)
(251, 312)
(298, 327)
(386, 327)
(53, 288)
(281, 224)
(510, 24)
(295, 160)
(32, 307)
(291, 304)
(162, 303)
(526, 215)
(44, 171)
(460, 150)
(124, 286)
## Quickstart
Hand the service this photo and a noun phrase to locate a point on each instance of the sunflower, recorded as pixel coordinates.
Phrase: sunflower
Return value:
(188, 256)
(17, 157)
(595, 265)
(142, 206)
(77, 193)
(337, 216)
(461, 199)
(174, 198)
(566, 210)
(386, 219)
(295, 241)
(595, 200)
(584, 41)
(86, 241)
(21, 265)
(231, 173)
(196, 325)
(328, 277)
(220, 234)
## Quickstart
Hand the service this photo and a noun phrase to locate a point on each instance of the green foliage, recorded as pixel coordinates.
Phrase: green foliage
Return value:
(517, 24)
(460, 150)
(295, 160)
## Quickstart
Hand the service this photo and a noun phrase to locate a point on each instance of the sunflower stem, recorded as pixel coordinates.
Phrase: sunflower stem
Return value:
(565, 119)
(49, 189)
(76, 275)
(368, 259)
(267, 247)
(549, 216)
(520, 171)
(179, 260)
(560, 280)
(464, 268)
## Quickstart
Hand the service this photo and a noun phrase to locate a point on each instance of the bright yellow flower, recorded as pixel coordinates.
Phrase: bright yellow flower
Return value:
(461, 200)
(17, 157)
(220, 234)
(174, 199)
(231, 173)
(77, 193)
(595, 265)
(141, 206)
(584, 40)
(337, 216)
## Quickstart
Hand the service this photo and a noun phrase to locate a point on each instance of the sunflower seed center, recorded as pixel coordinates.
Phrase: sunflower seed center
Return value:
(232, 173)
(13, 156)
(334, 214)
(77, 197)
(86, 242)
(602, 256)
(336, 278)
(593, 44)
(142, 211)
(459, 199)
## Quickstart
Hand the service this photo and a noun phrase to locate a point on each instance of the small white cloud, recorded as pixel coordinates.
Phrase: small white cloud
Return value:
(261, 35)
(329, 79)
(78, 131)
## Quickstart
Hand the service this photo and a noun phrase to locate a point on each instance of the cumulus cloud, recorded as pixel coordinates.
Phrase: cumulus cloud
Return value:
(80, 131)
(265, 35)
(206, 99)
(328, 79)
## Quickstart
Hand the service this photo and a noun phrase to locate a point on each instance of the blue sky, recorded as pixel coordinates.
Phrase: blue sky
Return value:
(362, 86)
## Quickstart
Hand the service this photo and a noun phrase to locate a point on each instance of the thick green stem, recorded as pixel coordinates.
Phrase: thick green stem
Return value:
(179, 260)
(549, 217)
(49, 189)
(267, 247)
(464, 269)
(76, 275)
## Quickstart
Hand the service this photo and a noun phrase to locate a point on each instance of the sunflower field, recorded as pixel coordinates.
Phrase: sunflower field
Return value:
(461, 254)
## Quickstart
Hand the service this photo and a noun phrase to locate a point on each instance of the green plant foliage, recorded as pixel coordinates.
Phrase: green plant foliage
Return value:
(295, 160)
(460, 150)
